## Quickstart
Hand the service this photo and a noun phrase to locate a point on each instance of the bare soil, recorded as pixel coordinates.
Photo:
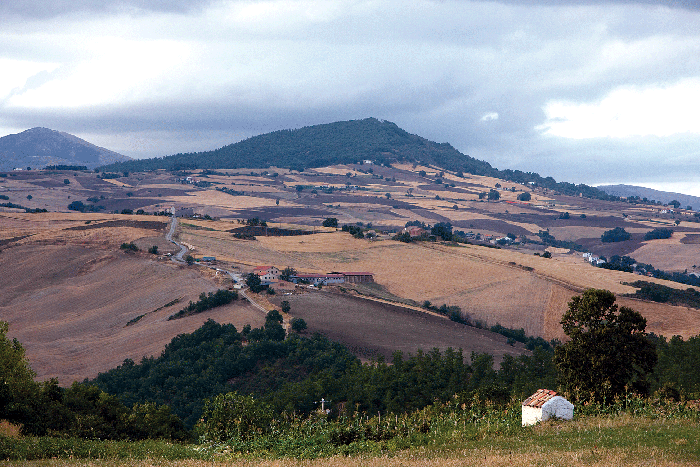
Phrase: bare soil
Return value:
(371, 329)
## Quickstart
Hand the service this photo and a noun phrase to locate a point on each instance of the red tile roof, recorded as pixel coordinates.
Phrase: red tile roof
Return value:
(539, 398)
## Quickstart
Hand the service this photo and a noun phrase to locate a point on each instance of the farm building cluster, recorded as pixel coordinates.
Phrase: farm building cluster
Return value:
(270, 274)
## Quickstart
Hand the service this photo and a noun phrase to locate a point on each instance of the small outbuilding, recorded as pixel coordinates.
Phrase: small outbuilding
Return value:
(545, 404)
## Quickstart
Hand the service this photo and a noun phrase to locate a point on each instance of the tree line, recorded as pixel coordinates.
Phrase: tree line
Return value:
(607, 356)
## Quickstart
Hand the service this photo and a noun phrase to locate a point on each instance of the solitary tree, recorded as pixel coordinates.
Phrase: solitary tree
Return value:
(298, 325)
(330, 222)
(253, 282)
(285, 306)
(608, 351)
(494, 195)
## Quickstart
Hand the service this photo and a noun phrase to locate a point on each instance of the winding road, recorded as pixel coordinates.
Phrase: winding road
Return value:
(179, 257)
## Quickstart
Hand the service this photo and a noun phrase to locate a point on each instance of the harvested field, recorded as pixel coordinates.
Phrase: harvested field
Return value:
(69, 306)
(509, 286)
(488, 284)
(671, 254)
(370, 329)
(149, 225)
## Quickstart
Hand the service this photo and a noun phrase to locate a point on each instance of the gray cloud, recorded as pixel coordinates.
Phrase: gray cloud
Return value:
(434, 69)
(42, 9)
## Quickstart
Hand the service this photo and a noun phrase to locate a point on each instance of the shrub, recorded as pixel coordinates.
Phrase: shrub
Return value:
(206, 302)
(129, 246)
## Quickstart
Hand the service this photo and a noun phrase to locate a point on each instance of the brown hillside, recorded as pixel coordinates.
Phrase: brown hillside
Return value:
(69, 305)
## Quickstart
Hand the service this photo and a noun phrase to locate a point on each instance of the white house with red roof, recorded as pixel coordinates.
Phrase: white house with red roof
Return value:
(267, 273)
(545, 404)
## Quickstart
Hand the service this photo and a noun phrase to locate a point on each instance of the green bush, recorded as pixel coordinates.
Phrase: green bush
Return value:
(206, 302)
(129, 246)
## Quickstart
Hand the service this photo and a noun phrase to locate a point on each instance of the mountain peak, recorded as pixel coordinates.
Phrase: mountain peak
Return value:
(38, 147)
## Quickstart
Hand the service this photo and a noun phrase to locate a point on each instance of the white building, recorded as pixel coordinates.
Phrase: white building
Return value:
(545, 404)
(267, 273)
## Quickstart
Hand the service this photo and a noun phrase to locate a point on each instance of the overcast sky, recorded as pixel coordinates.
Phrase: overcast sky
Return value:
(584, 91)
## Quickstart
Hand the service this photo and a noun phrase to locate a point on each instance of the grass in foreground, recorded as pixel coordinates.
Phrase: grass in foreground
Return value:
(620, 440)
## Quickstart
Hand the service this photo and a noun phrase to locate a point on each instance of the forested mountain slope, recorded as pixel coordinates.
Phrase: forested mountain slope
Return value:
(344, 142)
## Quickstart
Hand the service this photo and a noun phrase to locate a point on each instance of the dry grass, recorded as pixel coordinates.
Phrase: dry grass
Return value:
(69, 306)
(9, 430)
(489, 284)
(668, 254)
(217, 198)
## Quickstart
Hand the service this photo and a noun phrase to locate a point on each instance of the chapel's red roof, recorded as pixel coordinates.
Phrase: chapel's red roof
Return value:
(539, 398)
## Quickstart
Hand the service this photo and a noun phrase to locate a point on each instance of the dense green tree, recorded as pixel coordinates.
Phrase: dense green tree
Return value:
(442, 230)
(285, 306)
(298, 325)
(618, 234)
(17, 386)
(330, 222)
(608, 351)
(658, 233)
(524, 196)
(494, 195)
(253, 282)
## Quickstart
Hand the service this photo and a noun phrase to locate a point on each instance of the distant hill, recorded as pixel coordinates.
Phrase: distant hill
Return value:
(625, 191)
(39, 147)
(346, 142)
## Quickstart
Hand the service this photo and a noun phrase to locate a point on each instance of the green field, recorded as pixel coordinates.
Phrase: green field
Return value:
(633, 432)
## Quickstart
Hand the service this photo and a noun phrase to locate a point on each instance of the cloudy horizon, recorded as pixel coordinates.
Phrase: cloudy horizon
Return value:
(595, 92)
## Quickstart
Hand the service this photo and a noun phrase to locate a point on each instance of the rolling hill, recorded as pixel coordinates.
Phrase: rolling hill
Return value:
(650, 194)
(39, 147)
(344, 142)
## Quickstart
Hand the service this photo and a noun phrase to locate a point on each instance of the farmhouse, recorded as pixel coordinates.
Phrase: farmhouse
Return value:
(267, 273)
(415, 231)
(545, 404)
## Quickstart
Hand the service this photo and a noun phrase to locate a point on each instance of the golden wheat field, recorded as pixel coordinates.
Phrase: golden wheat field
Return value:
(488, 284)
